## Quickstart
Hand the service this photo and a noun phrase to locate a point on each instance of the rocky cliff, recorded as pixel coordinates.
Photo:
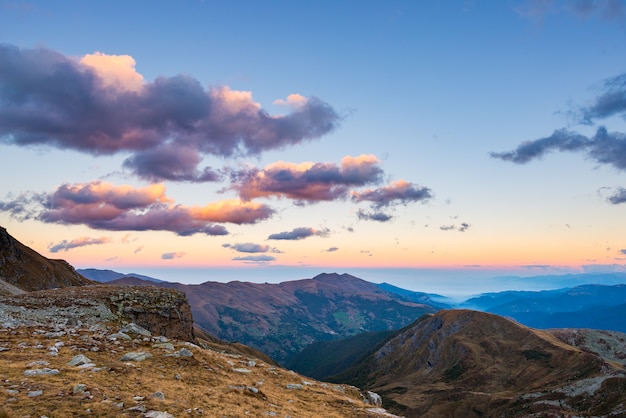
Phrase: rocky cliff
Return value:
(22, 268)
(161, 311)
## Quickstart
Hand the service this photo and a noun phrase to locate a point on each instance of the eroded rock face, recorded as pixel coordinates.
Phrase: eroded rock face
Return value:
(161, 311)
(24, 268)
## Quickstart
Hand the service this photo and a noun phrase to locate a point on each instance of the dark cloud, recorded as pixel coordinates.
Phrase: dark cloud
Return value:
(611, 101)
(76, 243)
(50, 99)
(169, 162)
(308, 182)
(560, 140)
(331, 249)
(619, 196)
(400, 192)
(373, 216)
(171, 256)
(255, 258)
(106, 206)
(623, 251)
(604, 147)
(299, 233)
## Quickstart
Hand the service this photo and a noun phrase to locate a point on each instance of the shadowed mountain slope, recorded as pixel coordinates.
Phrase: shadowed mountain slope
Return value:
(281, 319)
(462, 363)
(23, 269)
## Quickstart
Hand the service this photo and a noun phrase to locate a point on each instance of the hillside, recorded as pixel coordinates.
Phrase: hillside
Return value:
(106, 351)
(467, 363)
(23, 269)
(282, 319)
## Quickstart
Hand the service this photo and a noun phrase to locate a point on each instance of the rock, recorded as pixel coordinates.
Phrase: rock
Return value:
(138, 408)
(251, 363)
(79, 388)
(135, 329)
(138, 356)
(119, 336)
(40, 372)
(294, 386)
(242, 370)
(165, 346)
(78, 360)
(34, 393)
(158, 414)
(183, 352)
(373, 398)
(38, 363)
(158, 395)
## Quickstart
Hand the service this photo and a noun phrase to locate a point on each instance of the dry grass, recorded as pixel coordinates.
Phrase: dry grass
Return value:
(205, 384)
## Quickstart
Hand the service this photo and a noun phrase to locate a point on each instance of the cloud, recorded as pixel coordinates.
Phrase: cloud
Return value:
(101, 205)
(248, 247)
(619, 196)
(256, 258)
(299, 233)
(461, 228)
(331, 249)
(604, 147)
(76, 243)
(138, 249)
(171, 256)
(308, 182)
(399, 192)
(612, 100)
(605, 9)
(101, 105)
(623, 252)
(373, 216)
(293, 100)
(169, 162)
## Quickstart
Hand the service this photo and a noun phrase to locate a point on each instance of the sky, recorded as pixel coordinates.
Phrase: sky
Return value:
(411, 142)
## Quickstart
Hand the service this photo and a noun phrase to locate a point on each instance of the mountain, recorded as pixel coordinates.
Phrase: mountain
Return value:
(105, 276)
(431, 299)
(282, 319)
(23, 269)
(475, 364)
(586, 306)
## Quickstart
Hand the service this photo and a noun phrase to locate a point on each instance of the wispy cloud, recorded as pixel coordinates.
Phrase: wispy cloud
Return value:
(605, 9)
(76, 243)
(106, 206)
(101, 105)
(260, 259)
(308, 182)
(461, 228)
(331, 249)
(172, 255)
(299, 233)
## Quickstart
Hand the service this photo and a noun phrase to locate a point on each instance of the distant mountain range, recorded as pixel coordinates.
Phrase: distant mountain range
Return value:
(282, 319)
(105, 276)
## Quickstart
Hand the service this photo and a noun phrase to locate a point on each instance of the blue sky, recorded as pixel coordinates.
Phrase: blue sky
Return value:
(264, 137)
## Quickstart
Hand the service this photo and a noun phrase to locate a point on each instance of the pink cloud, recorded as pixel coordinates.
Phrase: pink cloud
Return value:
(308, 181)
(101, 205)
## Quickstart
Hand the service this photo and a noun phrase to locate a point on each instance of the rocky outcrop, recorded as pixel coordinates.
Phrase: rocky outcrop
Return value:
(25, 269)
(160, 311)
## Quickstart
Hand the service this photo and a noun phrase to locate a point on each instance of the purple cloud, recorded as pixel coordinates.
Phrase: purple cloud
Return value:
(373, 216)
(400, 192)
(92, 106)
(172, 255)
(299, 233)
(308, 182)
(106, 206)
(66, 245)
(248, 247)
